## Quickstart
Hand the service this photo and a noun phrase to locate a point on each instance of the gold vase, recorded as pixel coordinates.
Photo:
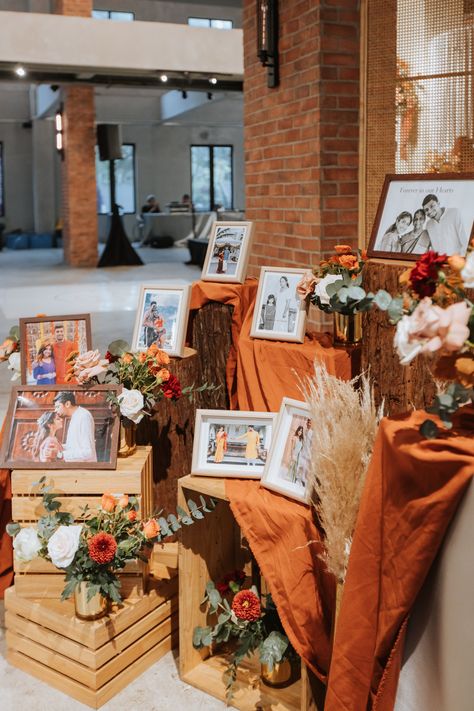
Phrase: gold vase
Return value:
(347, 329)
(128, 440)
(91, 609)
(282, 674)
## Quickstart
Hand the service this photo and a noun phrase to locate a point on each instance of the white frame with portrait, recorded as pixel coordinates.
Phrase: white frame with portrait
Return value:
(243, 258)
(301, 310)
(271, 478)
(205, 419)
(182, 315)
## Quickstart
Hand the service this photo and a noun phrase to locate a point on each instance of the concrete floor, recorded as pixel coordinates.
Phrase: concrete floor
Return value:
(36, 281)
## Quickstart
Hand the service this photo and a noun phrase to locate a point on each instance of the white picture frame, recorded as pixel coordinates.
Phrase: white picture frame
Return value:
(168, 329)
(287, 465)
(228, 252)
(283, 317)
(230, 455)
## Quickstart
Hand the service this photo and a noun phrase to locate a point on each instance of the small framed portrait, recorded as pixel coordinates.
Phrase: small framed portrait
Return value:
(228, 252)
(61, 427)
(422, 212)
(47, 342)
(232, 443)
(287, 467)
(162, 318)
(279, 312)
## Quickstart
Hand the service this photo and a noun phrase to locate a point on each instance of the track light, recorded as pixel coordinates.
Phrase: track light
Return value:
(184, 94)
(20, 71)
(213, 80)
(164, 78)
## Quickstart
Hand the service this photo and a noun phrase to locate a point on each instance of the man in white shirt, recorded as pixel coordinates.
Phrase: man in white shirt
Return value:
(444, 227)
(80, 440)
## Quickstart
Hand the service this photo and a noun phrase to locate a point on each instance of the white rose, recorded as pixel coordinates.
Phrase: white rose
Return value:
(131, 405)
(26, 544)
(407, 348)
(320, 288)
(467, 272)
(14, 364)
(63, 545)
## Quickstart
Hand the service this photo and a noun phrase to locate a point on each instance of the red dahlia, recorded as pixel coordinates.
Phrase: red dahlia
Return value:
(111, 358)
(102, 548)
(246, 605)
(424, 275)
(172, 388)
(236, 576)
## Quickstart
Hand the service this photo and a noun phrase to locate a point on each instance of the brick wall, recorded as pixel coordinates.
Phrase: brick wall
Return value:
(301, 138)
(78, 8)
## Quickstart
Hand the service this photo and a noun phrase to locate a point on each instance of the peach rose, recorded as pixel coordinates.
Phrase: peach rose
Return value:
(108, 502)
(142, 357)
(151, 529)
(88, 365)
(465, 370)
(343, 249)
(126, 358)
(349, 261)
(132, 515)
(123, 501)
(163, 375)
(443, 329)
(7, 348)
(306, 285)
(456, 262)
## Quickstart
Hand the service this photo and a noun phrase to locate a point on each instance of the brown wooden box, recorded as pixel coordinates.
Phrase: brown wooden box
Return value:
(133, 476)
(91, 661)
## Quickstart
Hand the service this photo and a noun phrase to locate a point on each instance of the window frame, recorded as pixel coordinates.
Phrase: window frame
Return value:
(211, 147)
(109, 12)
(134, 152)
(210, 20)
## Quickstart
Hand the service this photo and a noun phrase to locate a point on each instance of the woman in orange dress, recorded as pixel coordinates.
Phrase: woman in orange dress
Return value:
(221, 444)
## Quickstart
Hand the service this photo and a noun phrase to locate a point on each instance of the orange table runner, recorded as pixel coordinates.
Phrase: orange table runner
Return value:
(6, 549)
(411, 493)
(278, 531)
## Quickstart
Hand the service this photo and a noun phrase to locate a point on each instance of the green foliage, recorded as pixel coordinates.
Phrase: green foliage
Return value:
(14, 333)
(273, 649)
(445, 405)
(118, 348)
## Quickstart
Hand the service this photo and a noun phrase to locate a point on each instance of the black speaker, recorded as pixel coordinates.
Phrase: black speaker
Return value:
(109, 141)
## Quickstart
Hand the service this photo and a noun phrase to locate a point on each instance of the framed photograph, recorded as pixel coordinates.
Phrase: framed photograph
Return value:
(228, 252)
(61, 427)
(286, 470)
(421, 212)
(162, 318)
(47, 341)
(279, 313)
(231, 443)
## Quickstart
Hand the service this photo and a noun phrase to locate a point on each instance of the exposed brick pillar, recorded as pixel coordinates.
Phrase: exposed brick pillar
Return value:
(301, 139)
(79, 197)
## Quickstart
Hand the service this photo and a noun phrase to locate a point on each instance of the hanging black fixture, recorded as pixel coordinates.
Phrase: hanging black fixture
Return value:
(267, 39)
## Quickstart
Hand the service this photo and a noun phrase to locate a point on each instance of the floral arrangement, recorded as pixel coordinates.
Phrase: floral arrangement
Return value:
(242, 617)
(96, 550)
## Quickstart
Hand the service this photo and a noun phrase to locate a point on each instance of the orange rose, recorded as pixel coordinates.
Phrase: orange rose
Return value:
(132, 515)
(123, 501)
(162, 358)
(142, 357)
(343, 248)
(152, 350)
(163, 375)
(456, 262)
(151, 529)
(363, 255)
(108, 502)
(349, 261)
(126, 358)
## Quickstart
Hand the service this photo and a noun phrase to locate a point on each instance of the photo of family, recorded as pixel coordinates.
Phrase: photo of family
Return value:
(162, 319)
(279, 313)
(228, 251)
(61, 428)
(289, 462)
(234, 443)
(49, 342)
(421, 213)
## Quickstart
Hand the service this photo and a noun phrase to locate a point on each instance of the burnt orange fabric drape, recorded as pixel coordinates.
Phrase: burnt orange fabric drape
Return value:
(412, 490)
(278, 531)
(6, 548)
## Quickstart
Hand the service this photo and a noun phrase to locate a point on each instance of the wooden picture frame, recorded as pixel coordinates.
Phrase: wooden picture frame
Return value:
(168, 328)
(228, 252)
(39, 331)
(286, 319)
(287, 465)
(228, 453)
(422, 211)
(31, 420)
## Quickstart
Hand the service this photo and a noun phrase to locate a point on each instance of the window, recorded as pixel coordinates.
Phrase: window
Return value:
(112, 15)
(211, 177)
(124, 181)
(2, 200)
(209, 22)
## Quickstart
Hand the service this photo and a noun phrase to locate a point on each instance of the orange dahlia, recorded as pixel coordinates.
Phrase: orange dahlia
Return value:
(102, 548)
(246, 605)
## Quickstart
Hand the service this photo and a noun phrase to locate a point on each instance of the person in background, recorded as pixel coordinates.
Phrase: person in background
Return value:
(186, 200)
(151, 205)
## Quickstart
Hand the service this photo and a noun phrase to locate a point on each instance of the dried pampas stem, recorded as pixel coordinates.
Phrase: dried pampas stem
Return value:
(345, 422)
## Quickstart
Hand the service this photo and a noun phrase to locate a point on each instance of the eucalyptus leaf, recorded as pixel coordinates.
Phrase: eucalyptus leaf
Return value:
(356, 293)
(429, 429)
(382, 299)
(13, 528)
(118, 348)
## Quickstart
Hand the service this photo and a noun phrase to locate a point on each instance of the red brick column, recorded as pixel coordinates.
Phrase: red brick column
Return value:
(301, 138)
(79, 195)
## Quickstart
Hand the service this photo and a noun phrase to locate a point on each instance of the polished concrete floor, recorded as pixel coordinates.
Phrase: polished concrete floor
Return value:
(36, 281)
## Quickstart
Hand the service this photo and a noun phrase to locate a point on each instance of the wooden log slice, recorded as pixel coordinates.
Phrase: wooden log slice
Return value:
(212, 338)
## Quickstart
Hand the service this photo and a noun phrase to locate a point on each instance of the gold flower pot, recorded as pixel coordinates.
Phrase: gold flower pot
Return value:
(283, 673)
(128, 440)
(91, 609)
(347, 329)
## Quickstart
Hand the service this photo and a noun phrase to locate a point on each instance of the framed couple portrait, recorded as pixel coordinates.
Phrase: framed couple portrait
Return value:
(228, 252)
(232, 443)
(422, 212)
(61, 427)
(162, 318)
(279, 312)
(47, 342)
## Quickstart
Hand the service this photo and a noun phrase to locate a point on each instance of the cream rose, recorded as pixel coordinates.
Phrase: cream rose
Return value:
(321, 286)
(407, 347)
(89, 364)
(26, 544)
(63, 545)
(468, 272)
(131, 404)
(306, 285)
(14, 365)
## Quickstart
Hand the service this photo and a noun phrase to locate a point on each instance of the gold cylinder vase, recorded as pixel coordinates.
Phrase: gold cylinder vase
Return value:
(91, 609)
(128, 440)
(347, 329)
(282, 674)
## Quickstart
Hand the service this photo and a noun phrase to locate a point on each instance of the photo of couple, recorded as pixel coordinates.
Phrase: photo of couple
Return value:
(228, 251)
(237, 444)
(297, 453)
(161, 319)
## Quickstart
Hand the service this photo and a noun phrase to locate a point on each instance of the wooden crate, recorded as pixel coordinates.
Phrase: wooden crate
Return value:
(133, 476)
(91, 661)
(164, 561)
(208, 557)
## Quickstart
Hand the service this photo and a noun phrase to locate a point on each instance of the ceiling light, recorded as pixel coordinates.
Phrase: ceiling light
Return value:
(213, 80)
(164, 78)
(20, 71)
